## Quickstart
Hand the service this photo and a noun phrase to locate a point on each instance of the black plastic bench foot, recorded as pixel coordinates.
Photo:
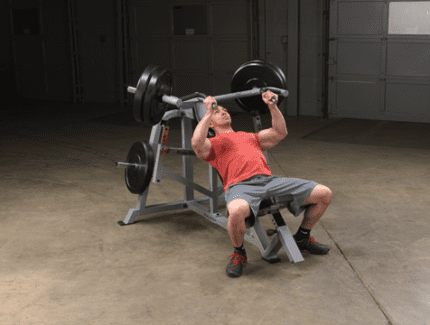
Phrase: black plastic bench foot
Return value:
(121, 223)
(272, 260)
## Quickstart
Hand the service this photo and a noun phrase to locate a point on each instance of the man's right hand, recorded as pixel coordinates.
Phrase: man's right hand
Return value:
(209, 101)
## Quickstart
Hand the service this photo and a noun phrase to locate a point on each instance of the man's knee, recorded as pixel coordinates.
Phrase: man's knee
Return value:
(238, 208)
(320, 194)
(327, 195)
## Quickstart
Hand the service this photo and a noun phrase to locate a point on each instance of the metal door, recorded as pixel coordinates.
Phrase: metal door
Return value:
(379, 60)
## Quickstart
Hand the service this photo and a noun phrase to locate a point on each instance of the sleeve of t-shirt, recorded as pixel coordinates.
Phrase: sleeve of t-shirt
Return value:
(212, 155)
(255, 135)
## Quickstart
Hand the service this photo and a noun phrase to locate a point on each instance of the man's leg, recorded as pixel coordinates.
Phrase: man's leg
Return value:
(319, 200)
(238, 210)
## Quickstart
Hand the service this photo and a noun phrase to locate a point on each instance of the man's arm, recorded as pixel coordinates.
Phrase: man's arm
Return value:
(201, 133)
(278, 121)
(271, 137)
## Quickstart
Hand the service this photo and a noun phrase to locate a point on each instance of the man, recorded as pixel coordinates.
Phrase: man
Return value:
(239, 159)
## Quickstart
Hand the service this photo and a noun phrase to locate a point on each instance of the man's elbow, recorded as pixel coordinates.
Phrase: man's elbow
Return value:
(282, 135)
(195, 145)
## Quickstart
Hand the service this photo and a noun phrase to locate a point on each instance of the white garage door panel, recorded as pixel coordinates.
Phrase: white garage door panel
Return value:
(357, 99)
(408, 59)
(416, 98)
(358, 18)
(360, 57)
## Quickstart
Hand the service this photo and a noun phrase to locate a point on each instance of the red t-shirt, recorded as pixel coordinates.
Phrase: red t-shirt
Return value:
(237, 156)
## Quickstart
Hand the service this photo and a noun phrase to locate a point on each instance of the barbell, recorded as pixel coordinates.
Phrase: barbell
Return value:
(152, 97)
(152, 94)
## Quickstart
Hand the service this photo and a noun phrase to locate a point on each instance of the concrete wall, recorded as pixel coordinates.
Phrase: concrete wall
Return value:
(274, 40)
(98, 53)
(43, 61)
(39, 40)
(48, 63)
(311, 59)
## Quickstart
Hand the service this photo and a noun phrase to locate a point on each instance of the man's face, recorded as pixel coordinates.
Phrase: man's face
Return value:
(221, 117)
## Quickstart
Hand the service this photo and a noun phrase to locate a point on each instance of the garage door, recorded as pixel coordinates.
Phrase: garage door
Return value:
(379, 63)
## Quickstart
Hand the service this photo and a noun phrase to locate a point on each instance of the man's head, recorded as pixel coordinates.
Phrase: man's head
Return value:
(221, 121)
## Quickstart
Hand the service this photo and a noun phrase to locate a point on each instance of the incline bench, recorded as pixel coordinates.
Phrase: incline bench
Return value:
(255, 233)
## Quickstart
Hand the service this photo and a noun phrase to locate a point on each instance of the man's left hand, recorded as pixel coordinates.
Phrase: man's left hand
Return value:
(267, 96)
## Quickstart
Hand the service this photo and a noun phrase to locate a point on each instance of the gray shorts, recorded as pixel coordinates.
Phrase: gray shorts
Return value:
(255, 188)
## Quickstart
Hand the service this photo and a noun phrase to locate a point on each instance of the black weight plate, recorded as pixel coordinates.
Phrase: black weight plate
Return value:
(159, 85)
(281, 75)
(257, 73)
(139, 95)
(138, 179)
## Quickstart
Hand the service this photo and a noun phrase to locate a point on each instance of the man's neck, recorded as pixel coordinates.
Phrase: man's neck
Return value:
(227, 131)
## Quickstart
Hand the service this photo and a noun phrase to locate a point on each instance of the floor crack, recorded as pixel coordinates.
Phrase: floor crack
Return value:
(389, 322)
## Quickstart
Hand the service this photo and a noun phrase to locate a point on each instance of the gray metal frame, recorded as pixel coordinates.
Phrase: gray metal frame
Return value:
(255, 235)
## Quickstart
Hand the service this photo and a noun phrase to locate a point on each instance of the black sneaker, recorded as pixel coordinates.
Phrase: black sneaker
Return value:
(312, 247)
(238, 261)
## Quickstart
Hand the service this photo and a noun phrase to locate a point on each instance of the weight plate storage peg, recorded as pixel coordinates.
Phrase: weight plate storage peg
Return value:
(138, 177)
(257, 74)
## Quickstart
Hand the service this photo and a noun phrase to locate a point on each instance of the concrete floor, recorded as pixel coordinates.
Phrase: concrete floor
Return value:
(65, 260)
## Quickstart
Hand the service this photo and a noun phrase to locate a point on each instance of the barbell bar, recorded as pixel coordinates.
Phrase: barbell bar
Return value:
(179, 151)
(175, 101)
